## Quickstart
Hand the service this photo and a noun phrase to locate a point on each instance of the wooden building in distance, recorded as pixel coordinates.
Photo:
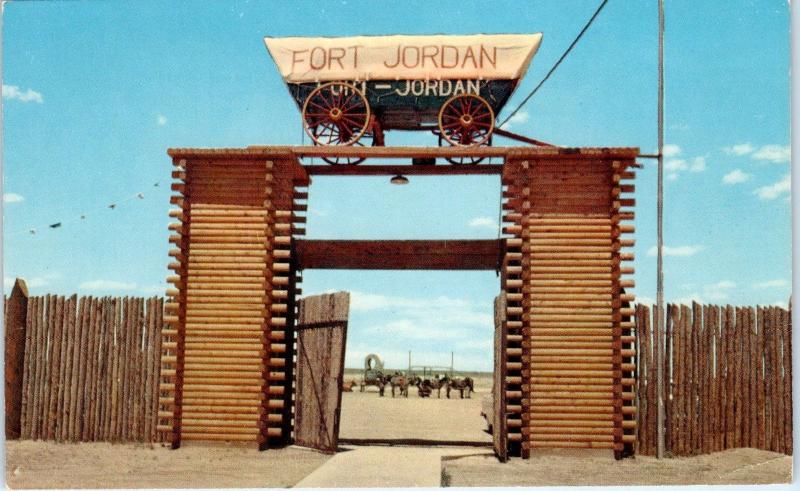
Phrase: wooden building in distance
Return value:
(564, 371)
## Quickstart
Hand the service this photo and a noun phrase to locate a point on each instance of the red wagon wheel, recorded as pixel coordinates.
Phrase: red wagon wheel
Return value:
(336, 113)
(462, 160)
(466, 120)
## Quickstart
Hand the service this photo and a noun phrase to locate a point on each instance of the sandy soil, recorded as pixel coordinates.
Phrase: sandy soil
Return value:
(103, 465)
(738, 466)
(368, 416)
(365, 415)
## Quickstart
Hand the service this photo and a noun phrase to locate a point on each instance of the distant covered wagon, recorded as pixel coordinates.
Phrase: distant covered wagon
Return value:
(352, 89)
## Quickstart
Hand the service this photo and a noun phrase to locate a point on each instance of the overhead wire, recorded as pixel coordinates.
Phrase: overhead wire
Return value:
(553, 69)
(55, 224)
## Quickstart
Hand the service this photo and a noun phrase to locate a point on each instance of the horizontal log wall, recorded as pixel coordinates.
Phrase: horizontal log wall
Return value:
(229, 329)
(91, 369)
(576, 381)
(728, 379)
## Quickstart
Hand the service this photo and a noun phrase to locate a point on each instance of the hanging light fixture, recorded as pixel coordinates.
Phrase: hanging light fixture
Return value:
(399, 179)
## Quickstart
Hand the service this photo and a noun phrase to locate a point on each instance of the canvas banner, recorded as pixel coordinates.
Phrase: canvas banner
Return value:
(438, 57)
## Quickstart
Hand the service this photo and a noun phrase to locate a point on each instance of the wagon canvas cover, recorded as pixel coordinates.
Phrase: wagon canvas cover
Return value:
(434, 57)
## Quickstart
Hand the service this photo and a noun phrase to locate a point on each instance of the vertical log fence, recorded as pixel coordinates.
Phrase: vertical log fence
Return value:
(728, 379)
(90, 369)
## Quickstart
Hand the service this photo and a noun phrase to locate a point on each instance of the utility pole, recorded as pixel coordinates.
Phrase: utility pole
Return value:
(660, 355)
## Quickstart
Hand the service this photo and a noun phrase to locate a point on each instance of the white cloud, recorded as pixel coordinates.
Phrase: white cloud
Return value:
(153, 289)
(161, 120)
(646, 301)
(725, 284)
(671, 150)
(483, 222)
(675, 165)
(779, 283)
(678, 251)
(740, 149)
(519, 118)
(35, 282)
(735, 176)
(14, 92)
(688, 299)
(775, 190)
(698, 164)
(12, 198)
(424, 317)
(774, 153)
(106, 285)
(717, 291)
(411, 329)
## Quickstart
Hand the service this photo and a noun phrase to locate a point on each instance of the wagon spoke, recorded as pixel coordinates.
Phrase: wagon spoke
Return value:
(336, 113)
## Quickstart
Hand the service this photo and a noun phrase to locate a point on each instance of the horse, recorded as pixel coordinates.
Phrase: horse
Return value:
(441, 382)
(424, 387)
(462, 385)
(401, 381)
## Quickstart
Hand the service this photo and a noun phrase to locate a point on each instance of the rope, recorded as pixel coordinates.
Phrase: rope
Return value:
(572, 45)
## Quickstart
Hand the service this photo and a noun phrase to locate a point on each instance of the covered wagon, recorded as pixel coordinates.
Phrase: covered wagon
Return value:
(351, 90)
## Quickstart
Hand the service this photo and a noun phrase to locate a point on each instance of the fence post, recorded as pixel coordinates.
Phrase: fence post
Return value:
(16, 313)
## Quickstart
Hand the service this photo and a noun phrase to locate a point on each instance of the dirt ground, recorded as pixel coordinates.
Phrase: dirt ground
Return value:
(738, 466)
(366, 416)
(103, 465)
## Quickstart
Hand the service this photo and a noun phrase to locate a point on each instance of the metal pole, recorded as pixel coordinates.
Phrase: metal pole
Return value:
(660, 355)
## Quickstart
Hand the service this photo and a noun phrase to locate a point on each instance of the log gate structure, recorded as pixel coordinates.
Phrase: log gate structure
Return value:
(567, 361)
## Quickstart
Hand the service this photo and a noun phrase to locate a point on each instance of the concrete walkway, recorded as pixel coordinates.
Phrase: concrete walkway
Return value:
(373, 467)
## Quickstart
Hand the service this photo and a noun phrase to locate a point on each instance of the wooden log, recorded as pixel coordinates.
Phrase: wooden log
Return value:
(779, 374)
(150, 412)
(677, 365)
(777, 391)
(88, 356)
(651, 341)
(15, 308)
(83, 369)
(42, 335)
(97, 430)
(155, 360)
(707, 380)
(98, 372)
(768, 369)
(117, 368)
(786, 325)
(694, 441)
(73, 431)
(752, 371)
(29, 374)
(730, 319)
(668, 373)
(70, 370)
(55, 363)
(34, 309)
(126, 369)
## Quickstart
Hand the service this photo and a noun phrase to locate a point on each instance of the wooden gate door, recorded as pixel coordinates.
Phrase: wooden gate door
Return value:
(499, 423)
(321, 336)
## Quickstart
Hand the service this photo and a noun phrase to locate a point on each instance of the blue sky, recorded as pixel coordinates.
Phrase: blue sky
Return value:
(95, 92)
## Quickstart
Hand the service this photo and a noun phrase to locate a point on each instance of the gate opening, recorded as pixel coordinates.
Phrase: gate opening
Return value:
(409, 339)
